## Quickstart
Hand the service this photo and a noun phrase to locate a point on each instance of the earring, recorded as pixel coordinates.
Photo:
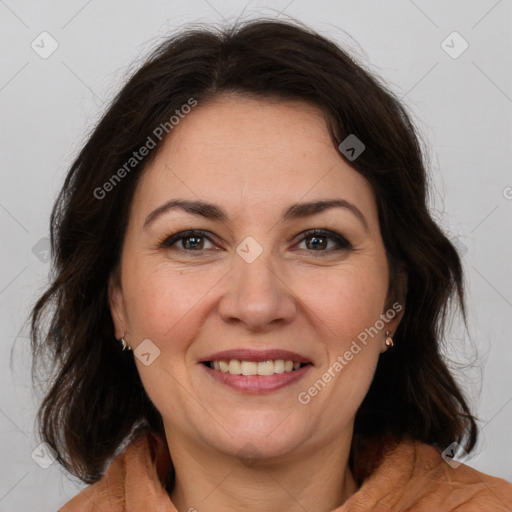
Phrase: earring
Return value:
(389, 339)
(125, 345)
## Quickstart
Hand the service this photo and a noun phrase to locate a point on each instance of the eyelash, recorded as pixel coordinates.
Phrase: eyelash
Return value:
(343, 245)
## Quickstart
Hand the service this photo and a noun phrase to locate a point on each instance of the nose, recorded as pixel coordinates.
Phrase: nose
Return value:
(257, 295)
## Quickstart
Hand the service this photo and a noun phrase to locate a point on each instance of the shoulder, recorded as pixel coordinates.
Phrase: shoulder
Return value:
(414, 476)
(132, 481)
(105, 494)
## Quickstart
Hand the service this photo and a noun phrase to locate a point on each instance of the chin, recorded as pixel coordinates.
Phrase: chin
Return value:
(269, 435)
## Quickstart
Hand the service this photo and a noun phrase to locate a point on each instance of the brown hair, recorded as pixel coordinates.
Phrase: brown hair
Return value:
(96, 400)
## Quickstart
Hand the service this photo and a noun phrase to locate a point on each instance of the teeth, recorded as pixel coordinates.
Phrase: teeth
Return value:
(249, 368)
(279, 366)
(236, 367)
(264, 368)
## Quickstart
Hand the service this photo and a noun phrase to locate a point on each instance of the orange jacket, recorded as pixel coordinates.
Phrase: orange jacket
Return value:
(413, 477)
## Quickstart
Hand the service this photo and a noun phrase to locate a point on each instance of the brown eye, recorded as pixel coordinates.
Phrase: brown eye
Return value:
(187, 241)
(192, 242)
(318, 241)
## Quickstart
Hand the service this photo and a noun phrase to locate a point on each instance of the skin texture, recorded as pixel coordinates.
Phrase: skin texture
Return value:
(253, 158)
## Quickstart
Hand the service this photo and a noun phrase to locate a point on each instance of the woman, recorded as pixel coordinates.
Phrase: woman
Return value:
(248, 222)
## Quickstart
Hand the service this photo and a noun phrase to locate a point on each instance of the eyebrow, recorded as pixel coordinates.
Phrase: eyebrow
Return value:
(292, 212)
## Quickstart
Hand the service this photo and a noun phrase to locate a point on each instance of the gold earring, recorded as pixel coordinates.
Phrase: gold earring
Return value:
(389, 339)
(125, 345)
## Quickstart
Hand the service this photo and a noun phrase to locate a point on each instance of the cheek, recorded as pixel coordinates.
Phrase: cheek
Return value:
(351, 309)
(165, 304)
(169, 304)
(345, 300)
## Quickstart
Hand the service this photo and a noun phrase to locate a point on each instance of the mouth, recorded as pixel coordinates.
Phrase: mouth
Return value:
(256, 371)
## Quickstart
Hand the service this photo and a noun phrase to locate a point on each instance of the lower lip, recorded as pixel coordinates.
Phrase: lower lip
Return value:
(258, 384)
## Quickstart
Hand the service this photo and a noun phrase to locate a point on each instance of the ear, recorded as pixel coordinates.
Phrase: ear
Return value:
(117, 305)
(395, 304)
(395, 313)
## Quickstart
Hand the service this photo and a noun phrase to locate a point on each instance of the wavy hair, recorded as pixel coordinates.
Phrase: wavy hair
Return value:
(94, 399)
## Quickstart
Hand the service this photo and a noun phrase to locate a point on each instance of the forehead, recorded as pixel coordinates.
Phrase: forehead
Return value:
(247, 153)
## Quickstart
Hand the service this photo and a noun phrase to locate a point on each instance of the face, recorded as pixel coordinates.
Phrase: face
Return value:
(252, 279)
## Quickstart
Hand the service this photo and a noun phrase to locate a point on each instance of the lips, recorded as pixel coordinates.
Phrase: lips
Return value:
(256, 371)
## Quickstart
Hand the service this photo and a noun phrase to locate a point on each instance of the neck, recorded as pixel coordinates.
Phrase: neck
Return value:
(208, 481)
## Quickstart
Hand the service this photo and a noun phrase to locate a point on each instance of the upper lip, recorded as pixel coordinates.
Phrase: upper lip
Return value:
(244, 354)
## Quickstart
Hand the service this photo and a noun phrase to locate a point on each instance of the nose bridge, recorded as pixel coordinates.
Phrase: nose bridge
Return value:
(256, 295)
(255, 272)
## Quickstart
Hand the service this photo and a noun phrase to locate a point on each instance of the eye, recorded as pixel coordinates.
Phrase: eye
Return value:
(317, 240)
(192, 240)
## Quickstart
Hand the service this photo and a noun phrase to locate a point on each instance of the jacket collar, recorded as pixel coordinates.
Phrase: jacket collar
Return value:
(411, 476)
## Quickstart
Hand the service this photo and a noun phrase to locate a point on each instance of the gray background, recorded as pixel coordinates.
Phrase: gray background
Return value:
(462, 106)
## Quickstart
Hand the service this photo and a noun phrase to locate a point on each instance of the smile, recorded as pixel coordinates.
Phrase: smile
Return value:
(284, 373)
(262, 368)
